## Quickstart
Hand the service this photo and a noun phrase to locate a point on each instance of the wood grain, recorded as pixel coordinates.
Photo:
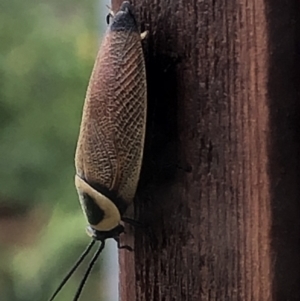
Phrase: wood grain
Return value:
(219, 190)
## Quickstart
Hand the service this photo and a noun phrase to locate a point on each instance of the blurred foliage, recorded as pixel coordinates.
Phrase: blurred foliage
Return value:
(47, 49)
(47, 52)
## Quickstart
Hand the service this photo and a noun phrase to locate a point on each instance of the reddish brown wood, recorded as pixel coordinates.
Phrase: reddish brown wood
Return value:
(219, 189)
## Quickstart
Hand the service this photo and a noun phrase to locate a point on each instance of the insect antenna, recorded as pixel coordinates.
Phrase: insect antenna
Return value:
(92, 262)
(78, 262)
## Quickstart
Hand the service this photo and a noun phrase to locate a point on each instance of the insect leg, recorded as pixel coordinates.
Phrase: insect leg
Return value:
(144, 34)
(132, 222)
(117, 239)
(109, 15)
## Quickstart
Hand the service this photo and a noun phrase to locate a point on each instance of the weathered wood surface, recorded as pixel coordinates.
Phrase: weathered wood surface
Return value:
(220, 184)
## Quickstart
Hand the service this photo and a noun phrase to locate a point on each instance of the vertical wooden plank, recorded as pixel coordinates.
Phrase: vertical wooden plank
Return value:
(219, 187)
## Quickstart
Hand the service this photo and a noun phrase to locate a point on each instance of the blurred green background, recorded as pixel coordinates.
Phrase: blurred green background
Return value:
(47, 50)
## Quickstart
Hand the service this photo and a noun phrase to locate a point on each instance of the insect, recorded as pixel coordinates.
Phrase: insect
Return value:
(111, 140)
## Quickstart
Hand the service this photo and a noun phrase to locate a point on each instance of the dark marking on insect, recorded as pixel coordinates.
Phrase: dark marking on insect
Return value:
(111, 140)
(94, 213)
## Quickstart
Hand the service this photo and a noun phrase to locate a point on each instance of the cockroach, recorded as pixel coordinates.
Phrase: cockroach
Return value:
(111, 140)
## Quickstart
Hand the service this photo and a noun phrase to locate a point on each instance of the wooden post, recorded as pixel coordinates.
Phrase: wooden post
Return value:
(220, 184)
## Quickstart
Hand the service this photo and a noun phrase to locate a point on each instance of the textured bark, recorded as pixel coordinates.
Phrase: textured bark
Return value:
(219, 190)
